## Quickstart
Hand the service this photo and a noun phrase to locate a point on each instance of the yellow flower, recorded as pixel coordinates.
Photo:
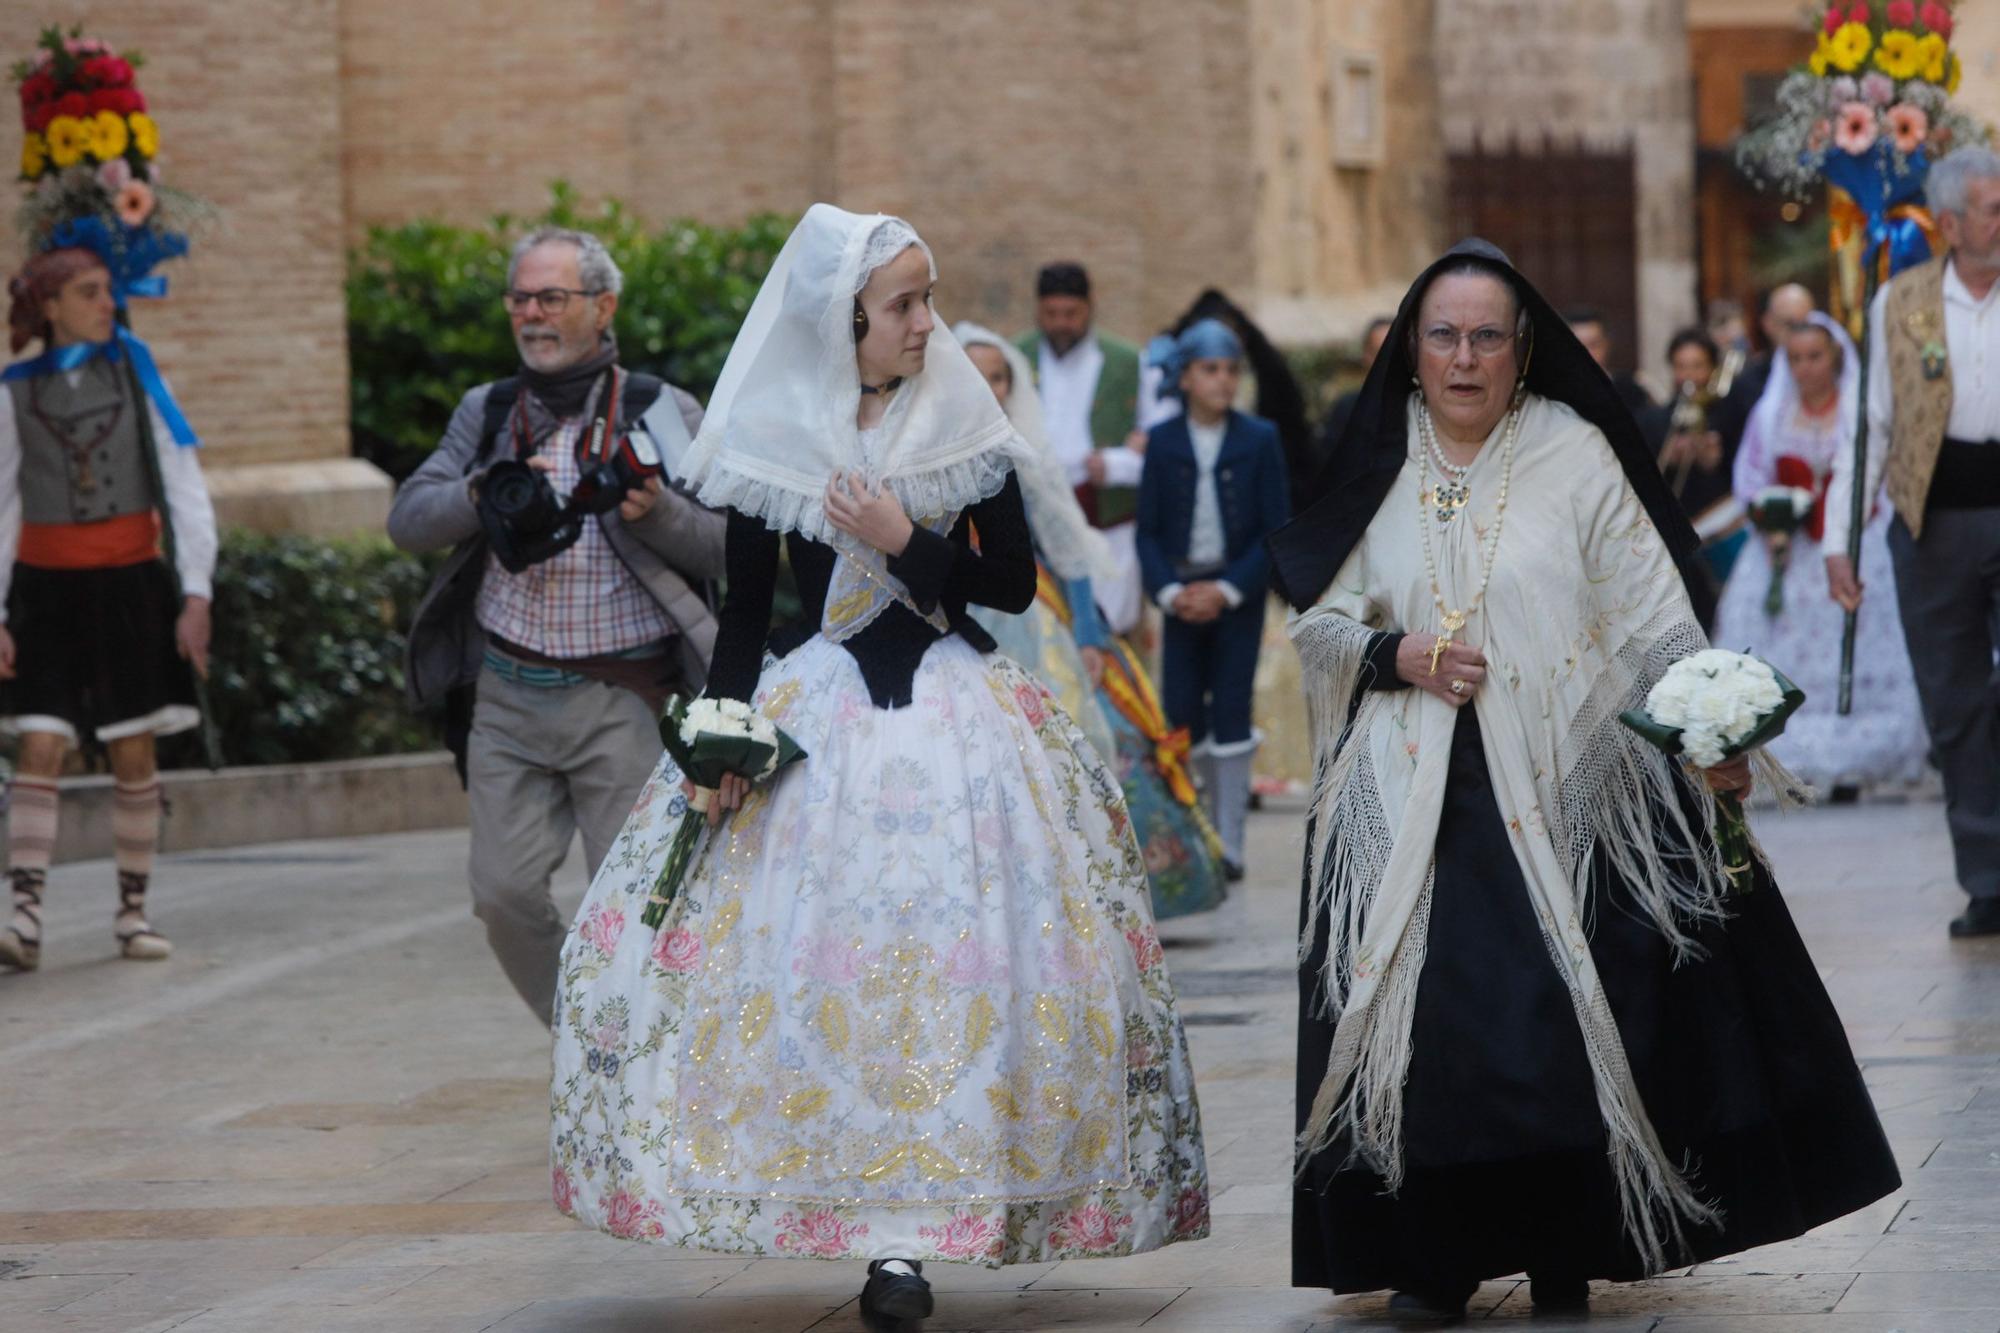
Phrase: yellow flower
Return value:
(111, 136)
(34, 155)
(1822, 55)
(1899, 55)
(1851, 46)
(145, 134)
(1951, 79)
(1931, 50)
(69, 140)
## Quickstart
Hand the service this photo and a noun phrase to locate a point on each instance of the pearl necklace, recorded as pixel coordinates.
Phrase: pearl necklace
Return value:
(1451, 493)
(1453, 619)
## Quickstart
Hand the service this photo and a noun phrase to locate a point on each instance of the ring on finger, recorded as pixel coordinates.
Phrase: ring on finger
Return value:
(1458, 687)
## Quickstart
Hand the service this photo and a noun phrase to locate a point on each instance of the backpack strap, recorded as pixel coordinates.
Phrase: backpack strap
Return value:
(499, 404)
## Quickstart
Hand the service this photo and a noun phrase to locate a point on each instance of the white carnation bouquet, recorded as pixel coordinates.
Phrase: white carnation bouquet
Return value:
(1778, 512)
(708, 738)
(1711, 708)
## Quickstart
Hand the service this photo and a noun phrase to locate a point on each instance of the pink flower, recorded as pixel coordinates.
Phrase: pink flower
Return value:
(677, 950)
(1092, 1228)
(1145, 944)
(827, 958)
(602, 928)
(1032, 700)
(1936, 17)
(966, 1236)
(969, 964)
(1859, 14)
(1834, 18)
(1910, 126)
(115, 175)
(1854, 129)
(1190, 1215)
(1819, 136)
(1901, 13)
(134, 203)
(1878, 88)
(565, 1192)
(818, 1235)
(631, 1218)
(1845, 89)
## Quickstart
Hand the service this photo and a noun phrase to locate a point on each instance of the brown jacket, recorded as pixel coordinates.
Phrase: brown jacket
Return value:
(1912, 316)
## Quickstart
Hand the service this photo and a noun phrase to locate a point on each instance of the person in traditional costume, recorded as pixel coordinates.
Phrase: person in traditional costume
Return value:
(1088, 381)
(101, 640)
(1213, 490)
(1934, 442)
(1102, 683)
(1537, 1031)
(856, 1034)
(1804, 421)
(1695, 444)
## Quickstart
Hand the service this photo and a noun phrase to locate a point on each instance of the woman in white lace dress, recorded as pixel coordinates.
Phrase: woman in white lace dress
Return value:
(909, 1003)
(1806, 415)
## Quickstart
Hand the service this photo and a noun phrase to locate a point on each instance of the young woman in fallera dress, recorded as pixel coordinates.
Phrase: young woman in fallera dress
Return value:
(909, 1004)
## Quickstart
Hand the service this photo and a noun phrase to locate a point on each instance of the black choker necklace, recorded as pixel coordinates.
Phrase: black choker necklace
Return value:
(884, 389)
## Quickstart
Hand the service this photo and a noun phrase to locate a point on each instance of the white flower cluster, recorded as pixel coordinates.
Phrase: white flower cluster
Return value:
(728, 717)
(1774, 499)
(1717, 699)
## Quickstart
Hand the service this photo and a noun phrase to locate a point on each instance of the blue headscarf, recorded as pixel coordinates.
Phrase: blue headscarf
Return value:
(1203, 340)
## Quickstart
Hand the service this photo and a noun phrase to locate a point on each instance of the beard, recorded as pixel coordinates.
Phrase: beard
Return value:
(543, 347)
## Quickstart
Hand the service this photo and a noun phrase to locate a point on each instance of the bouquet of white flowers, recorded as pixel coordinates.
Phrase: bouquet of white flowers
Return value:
(1778, 512)
(708, 738)
(1713, 707)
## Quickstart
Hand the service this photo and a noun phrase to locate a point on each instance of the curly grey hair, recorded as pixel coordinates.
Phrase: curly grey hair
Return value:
(1952, 176)
(595, 267)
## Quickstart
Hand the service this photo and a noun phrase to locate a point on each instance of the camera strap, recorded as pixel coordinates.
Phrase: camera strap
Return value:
(600, 409)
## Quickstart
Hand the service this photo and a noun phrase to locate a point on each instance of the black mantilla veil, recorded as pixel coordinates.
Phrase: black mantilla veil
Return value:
(1307, 552)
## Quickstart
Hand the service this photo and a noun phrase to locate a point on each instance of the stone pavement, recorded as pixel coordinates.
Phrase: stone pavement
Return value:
(327, 1113)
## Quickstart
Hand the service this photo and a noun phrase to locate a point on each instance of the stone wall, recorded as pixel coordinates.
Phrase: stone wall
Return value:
(1608, 74)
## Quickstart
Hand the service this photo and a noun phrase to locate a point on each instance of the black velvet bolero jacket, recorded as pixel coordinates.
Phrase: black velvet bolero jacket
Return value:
(947, 571)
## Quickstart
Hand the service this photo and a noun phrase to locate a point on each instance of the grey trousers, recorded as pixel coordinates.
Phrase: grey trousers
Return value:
(1949, 586)
(541, 765)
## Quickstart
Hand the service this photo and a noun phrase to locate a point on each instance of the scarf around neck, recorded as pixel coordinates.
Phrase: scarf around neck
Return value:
(563, 391)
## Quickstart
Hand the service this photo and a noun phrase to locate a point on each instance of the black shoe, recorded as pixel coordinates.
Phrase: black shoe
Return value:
(1844, 794)
(1982, 917)
(1558, 1295)
(1231, 872)
(1427, 1307)
(896, 1295)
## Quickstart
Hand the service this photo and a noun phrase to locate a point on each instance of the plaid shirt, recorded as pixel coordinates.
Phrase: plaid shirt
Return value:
(582, 603)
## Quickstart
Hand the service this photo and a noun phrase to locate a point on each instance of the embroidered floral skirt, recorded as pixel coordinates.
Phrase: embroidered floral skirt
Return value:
(908, 1003)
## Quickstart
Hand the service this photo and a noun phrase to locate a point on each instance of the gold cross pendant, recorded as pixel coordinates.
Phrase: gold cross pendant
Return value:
(1437, 651)
(1454, 621)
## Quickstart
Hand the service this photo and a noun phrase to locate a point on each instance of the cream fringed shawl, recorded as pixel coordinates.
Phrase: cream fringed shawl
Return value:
(1584, 612)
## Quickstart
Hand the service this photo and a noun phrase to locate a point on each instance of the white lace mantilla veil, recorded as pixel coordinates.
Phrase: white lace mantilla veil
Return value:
(1774, 407)
(781, 421)
(1070, 546)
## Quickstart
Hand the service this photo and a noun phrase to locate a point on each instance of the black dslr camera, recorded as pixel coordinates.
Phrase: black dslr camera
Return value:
(527, 523)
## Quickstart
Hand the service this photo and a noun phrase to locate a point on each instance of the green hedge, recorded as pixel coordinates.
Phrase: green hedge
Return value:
(425, 321)
(308, 651)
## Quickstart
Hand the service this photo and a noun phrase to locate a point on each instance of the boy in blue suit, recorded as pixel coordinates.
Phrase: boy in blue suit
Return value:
(1213, 489)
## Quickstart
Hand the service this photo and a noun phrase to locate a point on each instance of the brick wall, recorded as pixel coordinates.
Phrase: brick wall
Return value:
(252, 334)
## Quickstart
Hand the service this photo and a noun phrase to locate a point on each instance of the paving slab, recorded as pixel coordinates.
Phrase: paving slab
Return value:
(327, 1113)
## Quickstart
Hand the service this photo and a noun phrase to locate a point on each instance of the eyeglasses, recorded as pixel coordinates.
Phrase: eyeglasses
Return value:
(1443, 340)
(552, 300)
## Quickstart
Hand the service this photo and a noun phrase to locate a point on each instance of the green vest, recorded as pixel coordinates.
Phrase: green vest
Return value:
(1114, 411)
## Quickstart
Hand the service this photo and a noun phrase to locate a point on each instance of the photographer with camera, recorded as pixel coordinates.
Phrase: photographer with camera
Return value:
(572, 599)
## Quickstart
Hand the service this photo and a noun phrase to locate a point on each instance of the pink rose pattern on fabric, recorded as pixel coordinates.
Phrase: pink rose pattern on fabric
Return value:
(602, 929)
(629, 1217)
(827, 958)
(677, 950)
(820, 1234)
(1092, 1229)
(564, 1192)
(967, 1236)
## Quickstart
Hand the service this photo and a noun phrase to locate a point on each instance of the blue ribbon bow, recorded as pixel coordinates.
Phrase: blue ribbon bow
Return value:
(123, 343)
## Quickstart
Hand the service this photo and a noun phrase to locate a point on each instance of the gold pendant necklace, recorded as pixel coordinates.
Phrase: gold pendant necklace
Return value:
(1457, 493)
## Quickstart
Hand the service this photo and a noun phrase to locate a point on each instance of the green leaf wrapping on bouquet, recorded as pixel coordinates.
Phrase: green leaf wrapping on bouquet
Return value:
(705, 762)
(1668, 739)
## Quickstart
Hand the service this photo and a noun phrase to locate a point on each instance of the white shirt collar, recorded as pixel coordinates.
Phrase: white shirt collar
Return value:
(1956, 292)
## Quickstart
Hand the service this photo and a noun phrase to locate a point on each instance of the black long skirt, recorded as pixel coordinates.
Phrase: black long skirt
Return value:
(1740, 1058)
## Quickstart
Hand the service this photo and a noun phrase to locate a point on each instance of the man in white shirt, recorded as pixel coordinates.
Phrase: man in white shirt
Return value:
(1089, 386)
(1934, 435)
